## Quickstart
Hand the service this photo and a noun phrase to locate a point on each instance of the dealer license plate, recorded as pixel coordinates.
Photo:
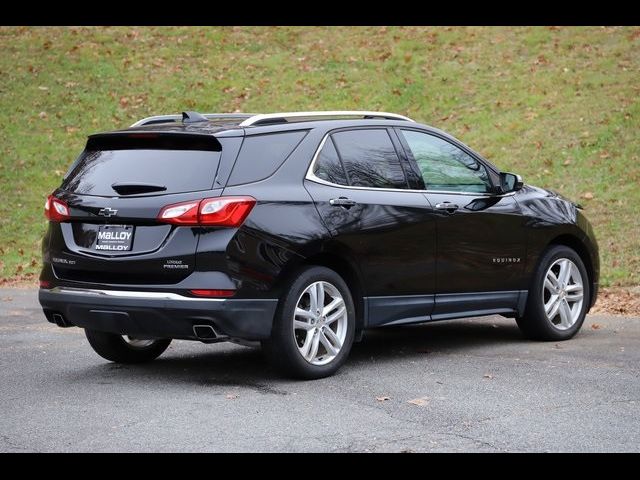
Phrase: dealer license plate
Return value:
(114, 238)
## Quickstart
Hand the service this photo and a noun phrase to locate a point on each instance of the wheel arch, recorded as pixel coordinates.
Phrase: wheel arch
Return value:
(343, 266)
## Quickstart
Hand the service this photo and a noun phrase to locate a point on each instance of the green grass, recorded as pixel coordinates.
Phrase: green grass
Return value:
(557, 105)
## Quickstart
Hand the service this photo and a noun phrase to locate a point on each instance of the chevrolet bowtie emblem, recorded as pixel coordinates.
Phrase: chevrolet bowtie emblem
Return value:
(107, 212)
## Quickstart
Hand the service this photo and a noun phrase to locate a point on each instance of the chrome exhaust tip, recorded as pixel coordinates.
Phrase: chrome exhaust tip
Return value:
(204, 332)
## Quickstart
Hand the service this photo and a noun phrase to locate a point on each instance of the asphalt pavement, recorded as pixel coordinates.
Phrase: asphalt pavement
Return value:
(465, 385)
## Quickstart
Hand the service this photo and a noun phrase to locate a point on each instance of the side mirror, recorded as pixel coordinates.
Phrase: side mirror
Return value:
(510, 182)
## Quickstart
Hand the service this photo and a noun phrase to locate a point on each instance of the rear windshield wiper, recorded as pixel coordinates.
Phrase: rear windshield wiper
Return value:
(124, 188)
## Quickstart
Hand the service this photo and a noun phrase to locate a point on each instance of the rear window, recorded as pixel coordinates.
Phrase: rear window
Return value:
(262, 155)
(179, 171)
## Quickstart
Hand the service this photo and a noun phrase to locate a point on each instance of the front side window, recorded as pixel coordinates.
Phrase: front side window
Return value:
(444, 166)
(369, 158)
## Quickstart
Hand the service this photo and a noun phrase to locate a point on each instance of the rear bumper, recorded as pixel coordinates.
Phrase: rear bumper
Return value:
(157, 314)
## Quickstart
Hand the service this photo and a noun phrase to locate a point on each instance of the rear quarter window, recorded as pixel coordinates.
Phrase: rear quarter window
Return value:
(261, 155)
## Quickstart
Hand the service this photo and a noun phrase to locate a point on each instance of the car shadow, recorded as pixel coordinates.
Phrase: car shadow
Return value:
(389, 343)
(241, 367)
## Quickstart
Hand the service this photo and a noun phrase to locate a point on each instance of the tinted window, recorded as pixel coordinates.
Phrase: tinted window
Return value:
(178, 170)
(328, 165)
(262, 155)
(370, 159)
(444, 166)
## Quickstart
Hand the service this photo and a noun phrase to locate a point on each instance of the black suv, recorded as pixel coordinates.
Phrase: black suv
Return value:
(301, 230)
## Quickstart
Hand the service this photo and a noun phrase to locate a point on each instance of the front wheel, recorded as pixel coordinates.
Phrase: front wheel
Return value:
(558, 297)
(125, 349)
(314, 325)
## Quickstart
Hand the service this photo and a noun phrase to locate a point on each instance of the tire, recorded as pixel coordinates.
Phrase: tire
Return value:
(286, 346)
(536, 324)
(115, 348)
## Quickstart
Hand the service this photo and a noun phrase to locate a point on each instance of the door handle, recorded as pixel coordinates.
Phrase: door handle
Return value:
(448, 206)
(342, 202)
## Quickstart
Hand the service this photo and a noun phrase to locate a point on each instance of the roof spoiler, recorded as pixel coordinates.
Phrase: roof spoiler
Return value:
(153, 141)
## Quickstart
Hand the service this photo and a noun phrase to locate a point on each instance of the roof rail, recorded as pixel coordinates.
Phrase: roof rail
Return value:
(178, 118)
(270, 118)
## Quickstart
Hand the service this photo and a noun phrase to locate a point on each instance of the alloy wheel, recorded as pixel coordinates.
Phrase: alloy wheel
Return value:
(563, 293)
(320, 323)
(137, 342)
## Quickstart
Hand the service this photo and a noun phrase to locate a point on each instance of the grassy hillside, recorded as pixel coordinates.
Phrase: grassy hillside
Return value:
(557, 105)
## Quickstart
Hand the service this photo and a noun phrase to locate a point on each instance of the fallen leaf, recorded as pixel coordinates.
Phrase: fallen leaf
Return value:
(383, 399)
(420, 402)
(487, 375)
(567, 162)
(541, 60)
(42, 114)
(595, 326)
(124, 101)
(20, 251)
(231, 396)
(587, 196)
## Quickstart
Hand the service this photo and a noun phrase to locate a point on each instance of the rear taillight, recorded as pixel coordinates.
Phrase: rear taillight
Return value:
(185, 213)
(220, 211)
(56, 210)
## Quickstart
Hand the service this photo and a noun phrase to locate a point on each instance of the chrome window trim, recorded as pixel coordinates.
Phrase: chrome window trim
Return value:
(311, 177)
(131, 294)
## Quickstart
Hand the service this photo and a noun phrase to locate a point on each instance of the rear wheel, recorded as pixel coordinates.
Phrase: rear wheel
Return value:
(558, 298)
(314, 325)
(125, 349)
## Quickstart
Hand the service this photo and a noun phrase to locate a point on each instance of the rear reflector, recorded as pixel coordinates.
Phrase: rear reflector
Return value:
(45, 284)
(56, 210)
(220, 211)
(213, 293)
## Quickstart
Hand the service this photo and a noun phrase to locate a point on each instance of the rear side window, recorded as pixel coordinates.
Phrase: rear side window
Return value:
(178, 171)
(369, 158)
(262, 155)
(328, 166)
